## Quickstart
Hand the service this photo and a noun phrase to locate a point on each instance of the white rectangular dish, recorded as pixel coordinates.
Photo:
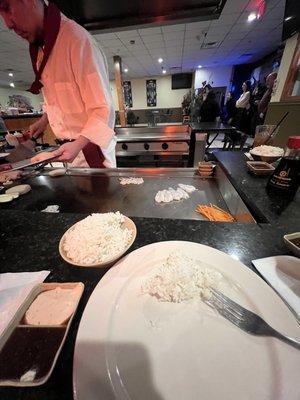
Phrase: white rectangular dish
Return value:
(28, 353)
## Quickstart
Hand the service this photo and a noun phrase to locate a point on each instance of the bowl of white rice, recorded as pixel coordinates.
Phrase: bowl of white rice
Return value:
(267, 154)
(98, 240)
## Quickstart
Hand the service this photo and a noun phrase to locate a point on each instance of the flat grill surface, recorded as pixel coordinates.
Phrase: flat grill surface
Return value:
(103, 193)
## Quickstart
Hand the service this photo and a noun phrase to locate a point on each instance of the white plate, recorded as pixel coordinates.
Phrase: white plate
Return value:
(131, 346)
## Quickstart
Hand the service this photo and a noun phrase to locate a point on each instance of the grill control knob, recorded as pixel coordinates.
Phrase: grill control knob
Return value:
(124, 146)
(165, 146)
(146, 146)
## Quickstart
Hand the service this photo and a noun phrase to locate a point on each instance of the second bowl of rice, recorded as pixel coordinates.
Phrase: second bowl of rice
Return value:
(267, 154)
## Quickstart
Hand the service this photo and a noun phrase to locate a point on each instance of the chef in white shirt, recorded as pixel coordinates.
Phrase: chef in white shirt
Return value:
(71, 71)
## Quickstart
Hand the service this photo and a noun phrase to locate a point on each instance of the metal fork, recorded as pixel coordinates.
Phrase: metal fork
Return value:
(245, 319)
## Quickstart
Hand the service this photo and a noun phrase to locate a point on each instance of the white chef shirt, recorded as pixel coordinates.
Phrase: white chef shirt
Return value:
(76, 91)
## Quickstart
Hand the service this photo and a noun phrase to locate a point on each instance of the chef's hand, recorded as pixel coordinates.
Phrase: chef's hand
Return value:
(37, 129)
(68, 152)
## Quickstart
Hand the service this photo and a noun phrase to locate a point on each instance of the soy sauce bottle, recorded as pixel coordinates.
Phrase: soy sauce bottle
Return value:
(286, 177)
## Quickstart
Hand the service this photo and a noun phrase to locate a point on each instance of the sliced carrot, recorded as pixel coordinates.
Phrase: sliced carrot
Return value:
(214, 213)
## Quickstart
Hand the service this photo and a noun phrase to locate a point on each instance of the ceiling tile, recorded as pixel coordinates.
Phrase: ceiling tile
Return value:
(174, 43)
(219, 29)
(128, 34)
(275, 13)
(155, 45)
(105, 36)
(112, 43)
(272, 3)
(149, 31)
(235, 36)
(174, 35)
(197, 25)
(152, 38)
(237, 5)
(173, 28)
(226, 19)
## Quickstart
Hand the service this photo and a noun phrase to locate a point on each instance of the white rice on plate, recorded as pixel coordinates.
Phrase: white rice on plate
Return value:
(182, 278)
(97, 238)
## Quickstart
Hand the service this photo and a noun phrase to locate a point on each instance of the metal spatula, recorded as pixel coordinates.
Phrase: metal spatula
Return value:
(22, 152)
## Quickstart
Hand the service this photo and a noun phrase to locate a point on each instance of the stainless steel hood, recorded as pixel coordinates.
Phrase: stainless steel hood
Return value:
(118, 14)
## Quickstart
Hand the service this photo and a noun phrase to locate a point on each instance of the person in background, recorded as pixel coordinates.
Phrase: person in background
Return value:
(2, 110)
(257, 95)
(71, 70)
(262, 106)
(186, 103)
(243, 105)
(3, 128)
(131, 117)
(210, 109)
(230, 109)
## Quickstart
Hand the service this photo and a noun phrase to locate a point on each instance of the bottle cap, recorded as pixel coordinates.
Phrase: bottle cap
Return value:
(294, 142)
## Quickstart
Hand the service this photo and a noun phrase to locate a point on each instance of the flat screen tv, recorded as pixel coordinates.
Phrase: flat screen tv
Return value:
(291, 22)
(182, 81)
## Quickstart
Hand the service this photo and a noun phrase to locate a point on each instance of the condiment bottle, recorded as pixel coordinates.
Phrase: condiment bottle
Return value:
(286, 177)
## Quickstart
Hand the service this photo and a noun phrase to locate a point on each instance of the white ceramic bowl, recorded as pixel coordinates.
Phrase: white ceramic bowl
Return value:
(128, 223)
(287, 239)
(265, 158)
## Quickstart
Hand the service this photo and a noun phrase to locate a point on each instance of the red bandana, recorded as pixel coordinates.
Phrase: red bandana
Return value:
(51, 28)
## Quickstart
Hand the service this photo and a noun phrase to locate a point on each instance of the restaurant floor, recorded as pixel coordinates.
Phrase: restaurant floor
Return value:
(218, 143)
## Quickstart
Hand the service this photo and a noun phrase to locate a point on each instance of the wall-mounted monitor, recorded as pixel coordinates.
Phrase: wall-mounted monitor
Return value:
(182, 81)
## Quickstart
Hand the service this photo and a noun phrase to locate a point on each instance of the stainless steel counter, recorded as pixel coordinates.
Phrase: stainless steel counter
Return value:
(158, 133)
(95, 190)
(157, 146)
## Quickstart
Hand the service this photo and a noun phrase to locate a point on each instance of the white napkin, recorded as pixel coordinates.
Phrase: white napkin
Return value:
(14, 288)
(51, 209)
(283, 274)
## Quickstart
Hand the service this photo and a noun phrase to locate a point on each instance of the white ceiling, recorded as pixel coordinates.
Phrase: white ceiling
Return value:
(179, 45)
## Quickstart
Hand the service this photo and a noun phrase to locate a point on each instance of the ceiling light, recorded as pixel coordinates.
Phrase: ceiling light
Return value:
(288, 18)
(12, 84)
(199, 66)
(164, 71)
(252, 16)
(126, 70)
(10, 74)
(160, 60)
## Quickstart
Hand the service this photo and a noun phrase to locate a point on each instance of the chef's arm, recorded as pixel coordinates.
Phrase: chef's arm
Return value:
(37, 128)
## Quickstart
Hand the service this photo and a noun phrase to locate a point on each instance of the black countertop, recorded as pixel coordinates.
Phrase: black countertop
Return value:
(29, 242)
(268, 207)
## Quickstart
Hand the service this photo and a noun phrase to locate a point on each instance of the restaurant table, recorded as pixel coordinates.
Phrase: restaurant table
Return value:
(29, 242)
(210, 128)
